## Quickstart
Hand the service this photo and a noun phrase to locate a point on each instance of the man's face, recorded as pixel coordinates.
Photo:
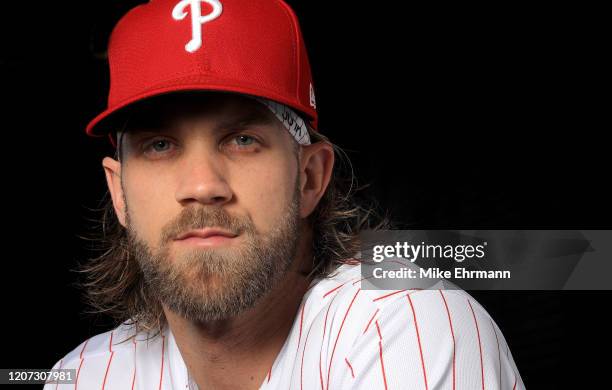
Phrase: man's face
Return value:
(193, 165)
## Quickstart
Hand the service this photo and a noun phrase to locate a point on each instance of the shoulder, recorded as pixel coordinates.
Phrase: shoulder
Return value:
(342, 295)
(116, 340)
(442, 336)
(96, 360)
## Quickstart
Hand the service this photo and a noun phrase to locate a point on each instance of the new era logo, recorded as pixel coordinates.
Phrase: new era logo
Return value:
(313, 101)
(197, 19)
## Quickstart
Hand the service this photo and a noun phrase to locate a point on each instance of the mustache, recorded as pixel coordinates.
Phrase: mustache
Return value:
(196, 217)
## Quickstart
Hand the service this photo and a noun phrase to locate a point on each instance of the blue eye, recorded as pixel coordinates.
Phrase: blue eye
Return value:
(160, 145)
(244, 140)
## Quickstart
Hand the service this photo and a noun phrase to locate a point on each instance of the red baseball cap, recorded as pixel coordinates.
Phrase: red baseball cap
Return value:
(251, 47)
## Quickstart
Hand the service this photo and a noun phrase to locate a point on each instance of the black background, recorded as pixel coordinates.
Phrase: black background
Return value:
(482, 116)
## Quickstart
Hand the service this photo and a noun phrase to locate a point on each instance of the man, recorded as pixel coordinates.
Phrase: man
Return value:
(230, 260)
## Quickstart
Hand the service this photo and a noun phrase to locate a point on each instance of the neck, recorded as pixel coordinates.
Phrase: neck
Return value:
(245, 345)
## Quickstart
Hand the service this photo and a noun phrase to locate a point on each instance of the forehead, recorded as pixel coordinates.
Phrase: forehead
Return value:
(224, 109)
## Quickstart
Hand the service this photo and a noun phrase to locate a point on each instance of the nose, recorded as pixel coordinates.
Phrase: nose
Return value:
(201, 180)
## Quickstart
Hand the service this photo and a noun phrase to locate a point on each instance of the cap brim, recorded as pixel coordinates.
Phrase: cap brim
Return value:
(106, 122)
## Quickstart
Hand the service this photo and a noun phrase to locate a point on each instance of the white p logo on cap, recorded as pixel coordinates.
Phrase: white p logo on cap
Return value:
(197, 19)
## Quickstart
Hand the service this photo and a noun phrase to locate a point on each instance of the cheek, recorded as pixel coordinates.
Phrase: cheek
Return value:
(264, 192)
(150, 205)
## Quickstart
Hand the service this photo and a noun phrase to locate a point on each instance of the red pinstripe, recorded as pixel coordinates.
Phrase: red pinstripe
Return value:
(374, 315)
(333, 289)
(338, 336)
(269, 374)
(110, 359)
(302, 365)
(134, 376)
(107, 367)
(416, 326)
(479, 344)
(161, 371)
(351, 367)
(80, 364)
(387, 295)
(337, 287)
(498, 352)
(110, 343)
(77, 377)
(321, 373)
(380, 353)
(362, 279)
(450, 322)
(60, 367)
(323, 338)
(83, 350)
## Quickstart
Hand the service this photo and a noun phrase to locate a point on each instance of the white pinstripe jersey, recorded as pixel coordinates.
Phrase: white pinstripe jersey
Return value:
(342, 338)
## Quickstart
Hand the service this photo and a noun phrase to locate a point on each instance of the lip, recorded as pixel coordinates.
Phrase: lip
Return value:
(205, 234)
(206, 238)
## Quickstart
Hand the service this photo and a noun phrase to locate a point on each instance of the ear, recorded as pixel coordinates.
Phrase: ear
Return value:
(112, 169)
(316, 166)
